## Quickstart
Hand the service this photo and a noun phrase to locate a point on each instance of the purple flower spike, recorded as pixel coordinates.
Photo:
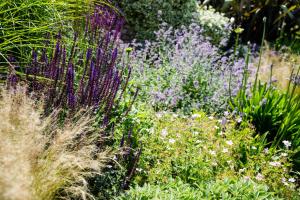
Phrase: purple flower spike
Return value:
(114, 56)
(70, 86)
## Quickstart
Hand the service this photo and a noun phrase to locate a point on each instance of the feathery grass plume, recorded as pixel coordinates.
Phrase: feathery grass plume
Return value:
(39, 159)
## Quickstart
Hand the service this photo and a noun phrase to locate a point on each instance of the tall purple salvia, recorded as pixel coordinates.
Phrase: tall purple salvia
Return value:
(72, 80)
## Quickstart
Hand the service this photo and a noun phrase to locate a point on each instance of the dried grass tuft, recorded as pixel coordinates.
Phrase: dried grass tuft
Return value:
(41, 160)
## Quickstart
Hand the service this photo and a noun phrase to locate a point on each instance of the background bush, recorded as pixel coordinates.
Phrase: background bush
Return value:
(216, 25)
(144, 16)
(283, 17)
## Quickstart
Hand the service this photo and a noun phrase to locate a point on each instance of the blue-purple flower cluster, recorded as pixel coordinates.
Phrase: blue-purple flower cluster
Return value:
(181, 69)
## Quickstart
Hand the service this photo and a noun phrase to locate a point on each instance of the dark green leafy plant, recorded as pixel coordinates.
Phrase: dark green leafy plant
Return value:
(282, 16)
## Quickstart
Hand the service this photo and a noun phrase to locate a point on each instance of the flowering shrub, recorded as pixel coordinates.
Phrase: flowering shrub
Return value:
(215, 25)
(183, 70)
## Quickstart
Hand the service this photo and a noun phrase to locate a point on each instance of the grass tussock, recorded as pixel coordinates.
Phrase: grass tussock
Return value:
(39, 159)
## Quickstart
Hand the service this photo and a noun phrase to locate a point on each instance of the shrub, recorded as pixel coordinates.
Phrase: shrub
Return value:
(144, 16)
(215, 25)
(42, 160)
(182, 70)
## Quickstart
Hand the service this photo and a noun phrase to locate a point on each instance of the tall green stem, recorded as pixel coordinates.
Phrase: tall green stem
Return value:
(260, 53)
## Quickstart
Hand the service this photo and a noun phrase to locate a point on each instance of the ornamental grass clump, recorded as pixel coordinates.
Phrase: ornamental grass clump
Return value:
(40, 159)
(25, 22)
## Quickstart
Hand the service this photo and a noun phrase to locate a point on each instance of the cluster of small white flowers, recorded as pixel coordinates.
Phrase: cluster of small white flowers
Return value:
(198, 141)
(254, 147)
(239, 120)
(139, 169)
(209, 17)
(195, 133)
(283, 154)
(285, 182)
(292, 180)
(195, 116)
(214, 22)
(242, 170)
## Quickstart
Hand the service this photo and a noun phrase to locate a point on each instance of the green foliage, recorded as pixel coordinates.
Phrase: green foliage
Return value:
(222, 189)
(198, 150)
(272, 112)
(144, 16)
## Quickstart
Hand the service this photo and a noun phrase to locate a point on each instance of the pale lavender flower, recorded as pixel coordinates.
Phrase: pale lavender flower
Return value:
(275, 164)
(287, 144)
(172, 141)
(259, 177)
(164, 132)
